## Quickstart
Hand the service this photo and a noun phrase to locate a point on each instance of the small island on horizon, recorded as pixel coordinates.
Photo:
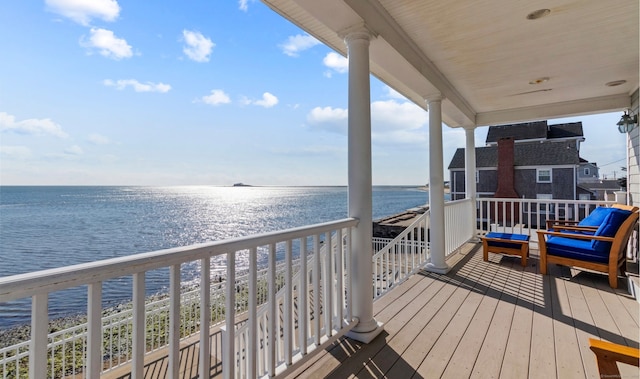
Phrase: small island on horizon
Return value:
(241, 185)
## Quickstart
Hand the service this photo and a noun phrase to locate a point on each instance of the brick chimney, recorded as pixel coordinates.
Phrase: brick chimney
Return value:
(508, 213)
(506, 172)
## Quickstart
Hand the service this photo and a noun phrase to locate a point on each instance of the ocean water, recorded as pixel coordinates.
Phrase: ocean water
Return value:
(48, 227)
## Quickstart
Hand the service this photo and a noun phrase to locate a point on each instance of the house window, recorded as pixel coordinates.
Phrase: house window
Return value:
(544, 175)
(587, 172)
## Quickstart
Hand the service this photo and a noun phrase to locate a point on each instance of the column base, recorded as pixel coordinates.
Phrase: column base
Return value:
(366, 337)
(437, 269)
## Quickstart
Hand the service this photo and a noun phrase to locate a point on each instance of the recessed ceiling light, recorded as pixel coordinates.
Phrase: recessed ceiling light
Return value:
(615, 83)
(538, 14)
(539, 80)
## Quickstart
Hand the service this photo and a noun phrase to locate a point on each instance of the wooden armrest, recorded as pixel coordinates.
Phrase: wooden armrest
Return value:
(607, 354)
(591, 229)
(541, 233)
(550, 223)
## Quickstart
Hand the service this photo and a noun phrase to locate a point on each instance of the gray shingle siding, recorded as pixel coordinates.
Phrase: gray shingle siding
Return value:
(535, 154)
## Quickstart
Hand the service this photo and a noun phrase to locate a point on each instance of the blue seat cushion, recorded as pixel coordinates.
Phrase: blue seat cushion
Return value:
(575, 249)
(609, 228)
(596, 217)
(506, 237)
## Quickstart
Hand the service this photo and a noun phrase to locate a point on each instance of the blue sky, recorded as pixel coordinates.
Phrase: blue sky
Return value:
(106, 92)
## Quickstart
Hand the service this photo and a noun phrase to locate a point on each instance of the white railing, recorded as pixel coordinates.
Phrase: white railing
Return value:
(66, 347)
(378, 243)
(403, 256)
(38, 285)
(457, 225)
(408, 252)
(304, 301)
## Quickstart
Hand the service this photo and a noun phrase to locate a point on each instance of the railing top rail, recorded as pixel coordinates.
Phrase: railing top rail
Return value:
(545, 201)
(455, 202)
(28, 284)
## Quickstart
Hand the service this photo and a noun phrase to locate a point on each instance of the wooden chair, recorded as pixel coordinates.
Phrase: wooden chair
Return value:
(591, 251)
(588, 224)
(607, 354)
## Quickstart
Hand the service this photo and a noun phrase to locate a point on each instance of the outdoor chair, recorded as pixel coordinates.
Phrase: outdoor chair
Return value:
(589, 224)
(601, 251)
(608, 354)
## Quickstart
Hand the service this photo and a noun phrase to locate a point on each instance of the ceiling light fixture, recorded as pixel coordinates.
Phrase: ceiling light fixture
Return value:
(539, 80)
(538, 14)
(627, 123)
(615, 83)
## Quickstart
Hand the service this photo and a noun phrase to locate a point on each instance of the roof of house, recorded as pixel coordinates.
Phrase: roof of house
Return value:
(610, 184)
(549, 153)
(527, 130)
(534, 130)
(567, 130)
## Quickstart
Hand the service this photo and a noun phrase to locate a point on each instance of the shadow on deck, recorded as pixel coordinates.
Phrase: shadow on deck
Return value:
(157, 363)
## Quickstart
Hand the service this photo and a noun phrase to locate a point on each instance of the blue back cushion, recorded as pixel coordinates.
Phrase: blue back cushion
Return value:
(596, 217)
(609, 227)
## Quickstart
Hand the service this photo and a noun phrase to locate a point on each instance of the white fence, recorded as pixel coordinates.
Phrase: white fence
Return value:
(326, 275)
(314, 298)
(409, 251)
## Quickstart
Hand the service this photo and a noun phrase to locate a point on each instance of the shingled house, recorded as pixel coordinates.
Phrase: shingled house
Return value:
(531, 160)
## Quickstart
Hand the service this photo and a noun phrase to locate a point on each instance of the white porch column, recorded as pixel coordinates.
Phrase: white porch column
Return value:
(436, 188)
(360, 183)
(470, 172)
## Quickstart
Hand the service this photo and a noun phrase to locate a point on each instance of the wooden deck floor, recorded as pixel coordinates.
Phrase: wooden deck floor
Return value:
(491, 319)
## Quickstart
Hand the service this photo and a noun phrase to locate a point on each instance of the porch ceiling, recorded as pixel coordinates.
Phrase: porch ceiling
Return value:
(482, 55)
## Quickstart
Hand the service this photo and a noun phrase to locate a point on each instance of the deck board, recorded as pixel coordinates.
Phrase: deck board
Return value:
(518, 349)
(491, 319)
(542, 359)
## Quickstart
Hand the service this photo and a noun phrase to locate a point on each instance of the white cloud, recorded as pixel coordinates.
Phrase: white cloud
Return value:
(243, 5)
(268, 100)
(217, 97)
(398, 122)
(15, 152)
(98, 139)
(198, 47)
(391, 121)
(137, 86)
(336, 62)
(107, 44)
(296, 44)
(83, 11)
(74, 150)
(330, 119)
(32, 126)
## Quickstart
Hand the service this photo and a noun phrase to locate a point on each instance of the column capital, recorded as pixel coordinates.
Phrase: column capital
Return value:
(436, 97)
(356, 32)
(469, 128)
